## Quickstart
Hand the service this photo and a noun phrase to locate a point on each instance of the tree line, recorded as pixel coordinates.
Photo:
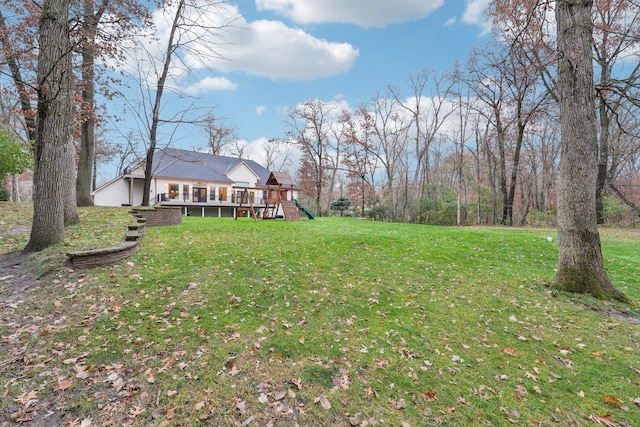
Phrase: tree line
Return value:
(480, 144)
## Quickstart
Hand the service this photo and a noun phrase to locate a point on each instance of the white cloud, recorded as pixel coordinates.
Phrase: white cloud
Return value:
(450, 21)
(260, 110)
(266, 48)
(209, 84)
(271, 49)
(474, 14)
(365, 13)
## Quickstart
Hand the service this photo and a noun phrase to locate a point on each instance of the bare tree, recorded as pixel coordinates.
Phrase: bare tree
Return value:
(359, 161)
(277, 154)
(616, 37)
(427, 121)
(187, 28)
(390, 146)
(219, 135)
(309, 125)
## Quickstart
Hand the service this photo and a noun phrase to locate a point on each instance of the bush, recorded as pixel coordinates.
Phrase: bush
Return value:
(5, 194)
(541, 219)
(616, 212)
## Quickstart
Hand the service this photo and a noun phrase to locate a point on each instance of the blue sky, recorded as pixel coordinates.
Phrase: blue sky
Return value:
(279, 53)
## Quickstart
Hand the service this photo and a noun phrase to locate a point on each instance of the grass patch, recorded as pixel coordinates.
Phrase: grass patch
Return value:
(337, 321)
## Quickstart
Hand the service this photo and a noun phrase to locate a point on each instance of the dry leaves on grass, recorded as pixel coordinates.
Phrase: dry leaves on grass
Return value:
(605, 420)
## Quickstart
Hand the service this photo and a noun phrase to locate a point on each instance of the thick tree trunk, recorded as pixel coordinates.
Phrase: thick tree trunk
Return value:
(54, 130)
(580, 263)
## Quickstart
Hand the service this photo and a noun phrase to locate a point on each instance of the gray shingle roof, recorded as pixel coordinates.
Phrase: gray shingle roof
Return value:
(175, 163)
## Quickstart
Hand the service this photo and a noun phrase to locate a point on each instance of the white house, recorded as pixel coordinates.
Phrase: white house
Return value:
(201, 184)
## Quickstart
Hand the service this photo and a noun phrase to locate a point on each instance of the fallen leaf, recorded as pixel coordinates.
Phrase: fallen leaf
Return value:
(28, 398)
(400, 404)
(530, 376)
(172, 393)
(172, 413)
(135, 411)
(81, 372)
(429, 396)
(356, 420)
(159, 413)
(509, 351)
(611, 399)
(241, 406)
(63, 385)
(87, 422)
(566, 362)
(603, 420)
(368, 392)
(248, 421)
(323, 401)
(521, 390)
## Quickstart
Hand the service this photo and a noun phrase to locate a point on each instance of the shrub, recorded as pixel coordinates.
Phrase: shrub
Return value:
(5, 194)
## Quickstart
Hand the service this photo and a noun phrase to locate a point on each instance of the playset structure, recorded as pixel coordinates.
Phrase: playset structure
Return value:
(279, 199)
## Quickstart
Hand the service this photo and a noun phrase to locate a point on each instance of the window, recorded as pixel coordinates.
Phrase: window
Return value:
(199, 194)
(212, 193)
(185, 192)
(174, 191)
(223, 194)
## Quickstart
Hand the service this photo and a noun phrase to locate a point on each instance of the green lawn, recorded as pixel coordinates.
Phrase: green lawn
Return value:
(335, 321)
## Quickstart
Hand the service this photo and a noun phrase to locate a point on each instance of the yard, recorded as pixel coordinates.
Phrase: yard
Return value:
(334, 321)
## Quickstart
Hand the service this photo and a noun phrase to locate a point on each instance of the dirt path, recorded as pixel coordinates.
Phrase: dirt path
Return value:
(19, 290)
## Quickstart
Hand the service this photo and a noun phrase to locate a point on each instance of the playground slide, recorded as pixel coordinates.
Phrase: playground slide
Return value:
(306, 210)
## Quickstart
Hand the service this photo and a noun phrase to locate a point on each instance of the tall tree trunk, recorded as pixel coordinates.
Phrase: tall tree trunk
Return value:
(507, 207)
(70, 200)
(53, 136)
(603, 161)
(580, 263)
(15, 188)
(86, 162)
(507, 215)
(87, 126)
